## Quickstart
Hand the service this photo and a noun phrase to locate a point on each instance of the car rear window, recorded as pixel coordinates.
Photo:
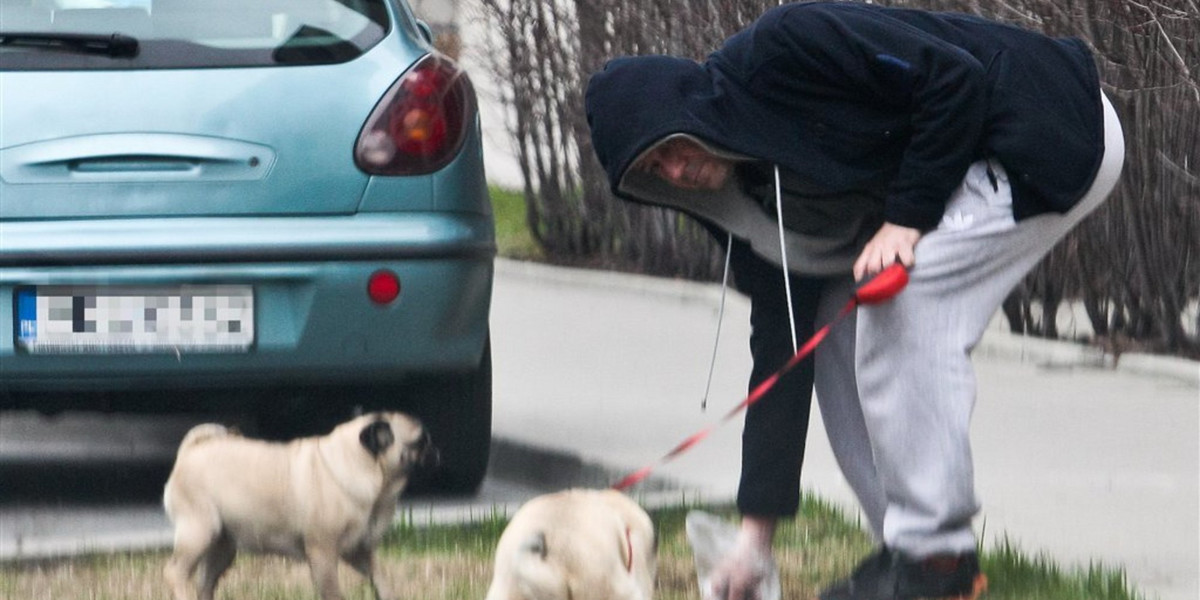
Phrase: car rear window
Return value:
(147, 34)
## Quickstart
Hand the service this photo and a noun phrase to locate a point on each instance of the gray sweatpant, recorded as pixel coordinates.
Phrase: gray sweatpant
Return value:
(904, 446)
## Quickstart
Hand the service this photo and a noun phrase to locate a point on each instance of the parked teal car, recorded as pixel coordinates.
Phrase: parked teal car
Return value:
(275, 207)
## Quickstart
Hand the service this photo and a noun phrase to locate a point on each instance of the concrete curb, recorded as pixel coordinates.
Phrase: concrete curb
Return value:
(1053, 353)
(995, 343)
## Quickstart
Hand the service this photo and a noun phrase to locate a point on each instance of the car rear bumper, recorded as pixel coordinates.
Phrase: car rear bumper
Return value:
(368, 236)
(314, 321)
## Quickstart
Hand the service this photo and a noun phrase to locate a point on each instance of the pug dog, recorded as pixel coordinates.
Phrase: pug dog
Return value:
(576, 545)
(321, 499)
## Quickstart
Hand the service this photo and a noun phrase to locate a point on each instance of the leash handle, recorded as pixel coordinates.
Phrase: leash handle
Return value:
(881, 288)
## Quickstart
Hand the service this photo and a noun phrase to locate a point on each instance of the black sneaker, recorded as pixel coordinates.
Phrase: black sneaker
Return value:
(888, 575)
(873, 578)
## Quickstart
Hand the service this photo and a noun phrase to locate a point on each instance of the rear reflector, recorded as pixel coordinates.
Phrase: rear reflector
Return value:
(420, 124)
(383, 287)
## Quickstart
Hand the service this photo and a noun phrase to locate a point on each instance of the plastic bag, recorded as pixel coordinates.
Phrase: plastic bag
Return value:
(712, 539)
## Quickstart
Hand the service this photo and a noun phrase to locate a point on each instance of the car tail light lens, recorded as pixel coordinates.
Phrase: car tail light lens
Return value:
(420, 124)
(383, 287)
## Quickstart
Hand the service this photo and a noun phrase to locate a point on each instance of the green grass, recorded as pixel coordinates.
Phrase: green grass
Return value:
(513, 239)
(1039, 577)
(817, 547)
(436, 562)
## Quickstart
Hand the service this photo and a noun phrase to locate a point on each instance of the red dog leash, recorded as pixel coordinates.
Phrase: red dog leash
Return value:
(881, 288)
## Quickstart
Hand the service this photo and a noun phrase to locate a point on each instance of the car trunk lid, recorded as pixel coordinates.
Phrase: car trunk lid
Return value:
(184, 143)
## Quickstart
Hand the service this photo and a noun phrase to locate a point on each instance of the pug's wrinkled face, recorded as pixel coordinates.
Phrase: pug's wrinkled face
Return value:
(398, 442)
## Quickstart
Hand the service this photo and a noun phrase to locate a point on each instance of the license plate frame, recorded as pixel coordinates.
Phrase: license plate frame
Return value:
(134, 319)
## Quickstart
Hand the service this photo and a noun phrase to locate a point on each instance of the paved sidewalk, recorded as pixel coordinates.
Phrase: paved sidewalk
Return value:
(1076, 460)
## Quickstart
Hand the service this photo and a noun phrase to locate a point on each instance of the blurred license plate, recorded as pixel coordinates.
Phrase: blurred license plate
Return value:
(130, 320)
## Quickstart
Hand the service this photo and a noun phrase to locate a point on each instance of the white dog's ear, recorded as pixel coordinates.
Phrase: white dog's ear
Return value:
(536, 544)
(377, 437)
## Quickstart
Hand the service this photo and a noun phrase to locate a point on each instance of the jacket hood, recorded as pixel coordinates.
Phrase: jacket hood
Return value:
(636, 102)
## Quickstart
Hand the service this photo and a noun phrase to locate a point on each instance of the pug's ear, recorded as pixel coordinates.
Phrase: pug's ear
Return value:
(536, 544)
(377, 437)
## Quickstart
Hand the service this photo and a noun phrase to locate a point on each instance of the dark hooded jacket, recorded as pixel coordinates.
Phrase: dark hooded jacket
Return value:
(853, 97)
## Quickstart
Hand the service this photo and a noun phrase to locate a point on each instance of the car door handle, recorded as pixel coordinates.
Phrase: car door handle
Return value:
(139, 157)
(135, 163)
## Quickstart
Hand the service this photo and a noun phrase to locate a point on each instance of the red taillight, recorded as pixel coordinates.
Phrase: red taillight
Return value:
(383, 287)
(420, 124)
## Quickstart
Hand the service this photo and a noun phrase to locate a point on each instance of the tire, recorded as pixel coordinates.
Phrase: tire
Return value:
(456, 410)
(305, 412)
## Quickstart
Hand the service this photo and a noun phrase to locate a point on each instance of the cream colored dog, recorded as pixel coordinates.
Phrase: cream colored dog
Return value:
(576, 545)
(320, 499)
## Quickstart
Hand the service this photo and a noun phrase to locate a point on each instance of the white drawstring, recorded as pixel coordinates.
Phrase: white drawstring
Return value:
(787, 286)
(712, 365)
(787, 280)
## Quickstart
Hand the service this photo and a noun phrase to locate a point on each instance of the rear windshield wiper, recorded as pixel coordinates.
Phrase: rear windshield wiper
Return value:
(116, 45)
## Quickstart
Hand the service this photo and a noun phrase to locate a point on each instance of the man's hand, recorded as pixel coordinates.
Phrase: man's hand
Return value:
(742, 571)
(738, 576)
(890, 243)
